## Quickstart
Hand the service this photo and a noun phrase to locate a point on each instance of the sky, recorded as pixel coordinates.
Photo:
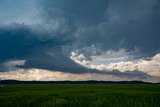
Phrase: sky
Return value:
(110, 40)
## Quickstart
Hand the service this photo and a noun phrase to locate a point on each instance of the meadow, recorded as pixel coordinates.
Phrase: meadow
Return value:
(80, 95)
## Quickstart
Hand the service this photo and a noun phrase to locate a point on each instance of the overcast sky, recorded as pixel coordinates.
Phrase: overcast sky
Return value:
(110, 40)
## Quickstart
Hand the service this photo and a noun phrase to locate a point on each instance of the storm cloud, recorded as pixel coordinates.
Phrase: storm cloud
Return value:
(71, 35)
(129, 24)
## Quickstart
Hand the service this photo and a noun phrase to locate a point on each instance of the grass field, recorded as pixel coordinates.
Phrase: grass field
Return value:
(79, 95)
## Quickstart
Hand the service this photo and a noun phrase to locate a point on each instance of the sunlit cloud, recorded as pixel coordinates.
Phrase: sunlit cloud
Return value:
(151, 67)
(46, 75)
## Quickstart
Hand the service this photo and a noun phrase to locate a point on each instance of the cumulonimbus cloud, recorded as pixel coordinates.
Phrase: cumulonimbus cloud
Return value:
(61, 35)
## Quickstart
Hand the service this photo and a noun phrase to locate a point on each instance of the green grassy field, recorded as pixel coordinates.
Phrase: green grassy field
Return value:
(79, 95)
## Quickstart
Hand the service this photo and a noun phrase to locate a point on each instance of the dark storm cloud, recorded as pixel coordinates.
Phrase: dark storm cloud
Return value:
(20, 42)
(58, 23)
(129, 24)
(138, 23)
(82, 12)
(63, 26)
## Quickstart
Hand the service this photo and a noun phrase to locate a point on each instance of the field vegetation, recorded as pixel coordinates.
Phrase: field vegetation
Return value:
(80, 95)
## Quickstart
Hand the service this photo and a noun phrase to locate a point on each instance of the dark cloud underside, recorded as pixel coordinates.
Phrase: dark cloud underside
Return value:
(45, 32)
